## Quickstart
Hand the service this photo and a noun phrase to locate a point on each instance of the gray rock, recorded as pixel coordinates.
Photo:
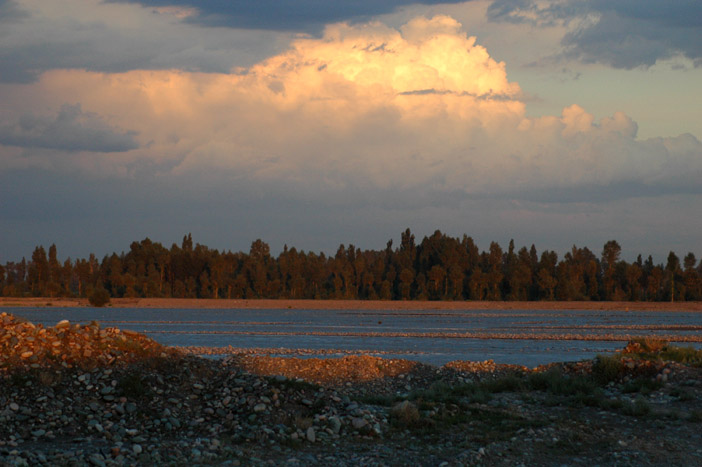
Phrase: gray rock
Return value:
(311, 437)
(359, 423)
(335, 424)
(97, 460)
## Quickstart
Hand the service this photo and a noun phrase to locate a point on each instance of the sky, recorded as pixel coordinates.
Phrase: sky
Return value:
(314, 123)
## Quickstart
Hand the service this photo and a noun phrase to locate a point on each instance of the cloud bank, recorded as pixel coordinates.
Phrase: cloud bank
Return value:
(71, 130)
(416, 113)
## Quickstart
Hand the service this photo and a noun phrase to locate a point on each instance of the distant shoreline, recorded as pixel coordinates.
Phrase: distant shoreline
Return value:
(204, 303)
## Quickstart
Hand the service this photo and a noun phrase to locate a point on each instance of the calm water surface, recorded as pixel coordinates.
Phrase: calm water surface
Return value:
(432, 334)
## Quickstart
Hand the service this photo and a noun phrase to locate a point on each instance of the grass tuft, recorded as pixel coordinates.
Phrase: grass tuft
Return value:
(607, 368)
(639, 408)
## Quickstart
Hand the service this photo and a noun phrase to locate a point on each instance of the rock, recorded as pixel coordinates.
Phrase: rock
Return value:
(259, 407)
(359, 423)
(97, 460)
(14, 407)
(311, 437)
(335, 424)
(137, 449)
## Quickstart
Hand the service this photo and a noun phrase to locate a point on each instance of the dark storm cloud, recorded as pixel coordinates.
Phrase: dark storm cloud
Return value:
(9, 11)
(71, 130)
(24, 62)
(34, 41)
(283, 15)
(625, 34)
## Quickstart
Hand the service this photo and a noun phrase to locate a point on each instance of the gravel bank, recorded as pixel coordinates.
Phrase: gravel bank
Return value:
(84, 395)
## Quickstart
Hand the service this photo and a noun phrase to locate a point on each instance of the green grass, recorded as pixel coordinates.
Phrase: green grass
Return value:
(642, 385)
(639, 408)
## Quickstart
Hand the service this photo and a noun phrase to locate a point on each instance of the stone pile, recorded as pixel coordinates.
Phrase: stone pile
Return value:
(26, 345)
(72, 394)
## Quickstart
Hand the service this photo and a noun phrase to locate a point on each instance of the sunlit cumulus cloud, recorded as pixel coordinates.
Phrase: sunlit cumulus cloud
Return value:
(365, 107)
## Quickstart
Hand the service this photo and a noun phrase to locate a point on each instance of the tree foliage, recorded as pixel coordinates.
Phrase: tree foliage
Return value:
(439, 267)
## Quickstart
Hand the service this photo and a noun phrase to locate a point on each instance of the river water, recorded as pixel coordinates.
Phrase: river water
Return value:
(525, 337)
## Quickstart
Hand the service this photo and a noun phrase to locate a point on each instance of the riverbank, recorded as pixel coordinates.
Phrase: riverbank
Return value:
(205, 303)
(86, 395)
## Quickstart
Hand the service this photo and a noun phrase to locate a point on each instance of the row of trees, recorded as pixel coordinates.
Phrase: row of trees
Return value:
(439, 268)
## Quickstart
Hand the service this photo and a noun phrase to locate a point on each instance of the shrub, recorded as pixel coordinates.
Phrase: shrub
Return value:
(607, 369)
(645, 345)
(557, 383)
(404, 415)
(99, 298)
(509, 383)
(688, 355)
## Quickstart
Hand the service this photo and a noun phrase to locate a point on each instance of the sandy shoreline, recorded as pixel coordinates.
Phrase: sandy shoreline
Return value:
(350, 304)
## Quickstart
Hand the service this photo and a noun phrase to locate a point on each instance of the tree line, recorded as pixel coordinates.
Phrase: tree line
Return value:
(440, 267)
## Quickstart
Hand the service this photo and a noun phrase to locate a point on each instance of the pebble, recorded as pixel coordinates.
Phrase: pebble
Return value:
(359, 423)
(259, 407)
